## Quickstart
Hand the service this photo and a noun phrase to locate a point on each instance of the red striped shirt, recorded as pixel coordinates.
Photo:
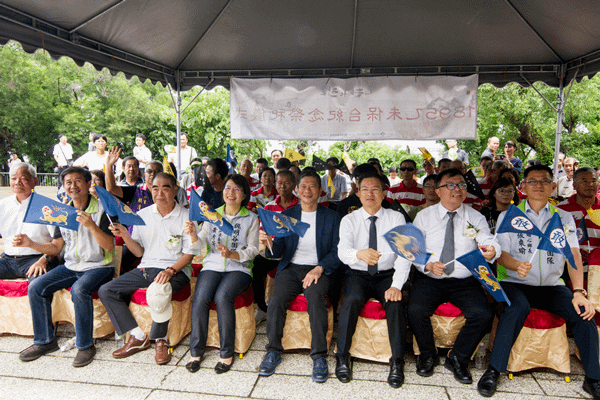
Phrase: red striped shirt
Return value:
(410, 195)
(577, 211)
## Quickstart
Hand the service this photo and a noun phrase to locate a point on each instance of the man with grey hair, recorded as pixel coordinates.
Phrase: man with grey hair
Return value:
(21, 262)
(564, 185)
(492, 146)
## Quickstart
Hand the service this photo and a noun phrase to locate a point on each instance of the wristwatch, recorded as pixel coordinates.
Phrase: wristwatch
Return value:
(47, 257)
(582, 291)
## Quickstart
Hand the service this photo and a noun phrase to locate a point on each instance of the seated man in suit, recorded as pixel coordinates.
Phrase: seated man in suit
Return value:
(443, 279)
(374, 271)
(306, 263)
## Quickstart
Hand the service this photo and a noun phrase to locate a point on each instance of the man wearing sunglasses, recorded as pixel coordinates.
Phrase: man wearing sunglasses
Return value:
(534, 281)
(408, 192)
(443, 279)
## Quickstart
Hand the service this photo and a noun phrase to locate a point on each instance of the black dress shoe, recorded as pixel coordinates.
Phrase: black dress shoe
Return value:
(460, 370)
(592, 387)
(193, 366)
(343, 371)
(221, 367)
(396, 376)
(488, 382)
(425, 365)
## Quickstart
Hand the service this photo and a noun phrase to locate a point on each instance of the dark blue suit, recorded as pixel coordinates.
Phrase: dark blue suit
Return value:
(288, 281)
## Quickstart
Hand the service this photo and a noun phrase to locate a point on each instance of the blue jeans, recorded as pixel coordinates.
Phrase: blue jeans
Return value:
(223, 288)
(83, 284)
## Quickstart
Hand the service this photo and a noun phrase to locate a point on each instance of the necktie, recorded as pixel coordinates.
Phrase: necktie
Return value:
(448, 249)
(373, 242)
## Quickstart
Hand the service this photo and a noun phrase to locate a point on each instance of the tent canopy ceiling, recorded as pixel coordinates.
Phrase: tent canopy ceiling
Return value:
(195, 42)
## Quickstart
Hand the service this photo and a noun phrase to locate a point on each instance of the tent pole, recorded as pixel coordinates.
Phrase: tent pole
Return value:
(560, 106)
(178, 110)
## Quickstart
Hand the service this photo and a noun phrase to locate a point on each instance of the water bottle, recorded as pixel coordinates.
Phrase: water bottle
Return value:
(69, 344)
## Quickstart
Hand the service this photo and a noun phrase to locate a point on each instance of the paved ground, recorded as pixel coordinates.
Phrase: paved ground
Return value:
(138, 377)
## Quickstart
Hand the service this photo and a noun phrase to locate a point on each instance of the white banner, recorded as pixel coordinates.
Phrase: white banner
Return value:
(369, 108)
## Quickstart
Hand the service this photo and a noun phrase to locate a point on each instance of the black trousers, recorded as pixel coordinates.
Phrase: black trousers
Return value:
(260, 269)
(288, 285)
(115, 296)
(359, 287)
(557, 300)
(467, 294)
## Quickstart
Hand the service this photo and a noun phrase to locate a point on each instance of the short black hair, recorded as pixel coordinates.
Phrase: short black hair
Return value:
(242, 182)
(219, 167)
(262, 171)
(373, 175)
(131, 158)
(364, 169)
(76, 170)
(501, 183)
(334, 159)
(262, 161)
(283, 163)
(428, 178)
(141, 136)
(443, 160)
(408, 160)
(538, 168)
(288, 173)
(583, 170)
(450, 173)
(99, 136)
(309, 174)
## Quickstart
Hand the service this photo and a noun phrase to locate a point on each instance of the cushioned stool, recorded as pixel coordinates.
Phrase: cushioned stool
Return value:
(296, 332)
(446, 321)
(269, 284)
(245, 326)
(180, 324)
(15, 313)
(371, 340)
(64, 311)
(541, 343)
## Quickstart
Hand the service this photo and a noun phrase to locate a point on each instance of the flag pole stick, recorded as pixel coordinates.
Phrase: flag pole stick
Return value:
(533, 255)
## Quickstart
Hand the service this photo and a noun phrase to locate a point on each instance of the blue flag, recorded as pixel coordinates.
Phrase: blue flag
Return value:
(230, 159)
(201, 211)
(582, 232)
(62, 195)
(515, 221)
(116, 208)
(480, 269)
(279, 225)
(555, 240)
(45, 211)
(408, 242)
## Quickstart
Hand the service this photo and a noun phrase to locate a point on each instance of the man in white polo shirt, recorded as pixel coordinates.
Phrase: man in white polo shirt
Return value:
(166, 256)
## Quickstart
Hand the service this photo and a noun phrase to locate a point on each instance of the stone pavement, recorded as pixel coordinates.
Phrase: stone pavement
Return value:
(138, 377)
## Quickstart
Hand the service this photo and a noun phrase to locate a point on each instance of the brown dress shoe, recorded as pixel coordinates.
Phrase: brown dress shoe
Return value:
(163, 352)
(131, 347)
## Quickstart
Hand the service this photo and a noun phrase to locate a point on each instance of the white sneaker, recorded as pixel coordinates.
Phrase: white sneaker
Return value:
(259, 316)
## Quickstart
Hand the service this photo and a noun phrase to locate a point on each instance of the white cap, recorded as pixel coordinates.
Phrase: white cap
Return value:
(158, 297)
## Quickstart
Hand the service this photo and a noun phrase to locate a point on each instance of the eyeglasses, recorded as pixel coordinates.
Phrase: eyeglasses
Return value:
(543, 182)
(452, 186)
(373, 190)
(583, 182)
(235, 190)
(151, 171)
(428, 186)
(506, 191)
(409, 169)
